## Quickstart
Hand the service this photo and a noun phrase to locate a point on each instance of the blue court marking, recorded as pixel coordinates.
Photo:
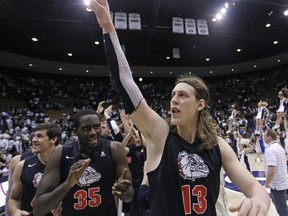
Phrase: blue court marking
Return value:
(259, 175)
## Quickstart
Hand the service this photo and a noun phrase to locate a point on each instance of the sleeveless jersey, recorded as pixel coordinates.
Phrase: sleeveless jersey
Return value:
(187, 180)
(31, 176)
(92, 195)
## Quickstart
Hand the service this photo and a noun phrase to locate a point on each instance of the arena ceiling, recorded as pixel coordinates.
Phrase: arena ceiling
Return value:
(64, 26)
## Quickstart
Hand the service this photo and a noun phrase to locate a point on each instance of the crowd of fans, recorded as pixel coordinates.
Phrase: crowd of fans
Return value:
(40, 93)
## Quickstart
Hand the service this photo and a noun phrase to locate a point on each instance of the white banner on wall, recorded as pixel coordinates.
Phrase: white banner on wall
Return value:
(202, 27)
(134, 21)
(177, 25)
(120, 20)
(190, 26)
(176, 53)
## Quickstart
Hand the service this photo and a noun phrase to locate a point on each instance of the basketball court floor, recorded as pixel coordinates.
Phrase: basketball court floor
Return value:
(234, 196)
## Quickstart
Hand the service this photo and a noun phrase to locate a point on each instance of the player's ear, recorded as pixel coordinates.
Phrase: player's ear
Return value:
(201, 105)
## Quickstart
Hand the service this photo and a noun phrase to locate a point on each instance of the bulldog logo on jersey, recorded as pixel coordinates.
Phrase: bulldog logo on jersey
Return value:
(89, 176)
(37, 178)
(191, 166)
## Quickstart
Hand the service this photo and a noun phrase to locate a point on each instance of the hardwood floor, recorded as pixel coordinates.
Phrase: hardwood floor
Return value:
(236, 197)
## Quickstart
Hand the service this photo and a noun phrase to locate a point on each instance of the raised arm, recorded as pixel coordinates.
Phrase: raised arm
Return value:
(115, 130)
(142, 115)
(146, 120)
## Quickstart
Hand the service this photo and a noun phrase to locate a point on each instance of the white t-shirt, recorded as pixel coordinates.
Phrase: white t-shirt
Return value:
(275, 156)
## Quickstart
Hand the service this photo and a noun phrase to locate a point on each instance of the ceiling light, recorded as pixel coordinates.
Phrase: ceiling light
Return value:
(86, 2)
(286, 13)
(219, 16)
(151, 72)
(170, 72)
(140, 79)
(69, 54)
(232, 69)
(168, 57)
(275, 42)
(207, 59)
(60, 69)
(214, 19)
(226, 5)
(97, 42)
(211, 72)
(268, 25)
(270, 13)
(255, 66)
(279, 60)
(238, 50)
(223, 11)
(87, 71)
(30, 65)
(34, 39)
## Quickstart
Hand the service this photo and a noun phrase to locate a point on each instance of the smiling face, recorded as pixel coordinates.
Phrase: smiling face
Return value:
(41, 141)
(89, 131)
(184, 106)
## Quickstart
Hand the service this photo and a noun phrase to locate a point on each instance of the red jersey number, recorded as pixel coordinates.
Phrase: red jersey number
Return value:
(87, 198)
(200, 192)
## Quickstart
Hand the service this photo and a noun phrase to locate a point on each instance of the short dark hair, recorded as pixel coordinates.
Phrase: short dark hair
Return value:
(272, 133)
(81, 113)
(53, 130)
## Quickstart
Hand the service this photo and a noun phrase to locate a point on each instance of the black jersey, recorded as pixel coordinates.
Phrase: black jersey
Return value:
(92, 195)
(194, 191)
(26, 155)
(137, 156)
(31, 176)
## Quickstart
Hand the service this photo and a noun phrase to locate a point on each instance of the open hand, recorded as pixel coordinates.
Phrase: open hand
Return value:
(76, 171)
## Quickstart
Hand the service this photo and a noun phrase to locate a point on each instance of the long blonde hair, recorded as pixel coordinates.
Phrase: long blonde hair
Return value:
(205, 130)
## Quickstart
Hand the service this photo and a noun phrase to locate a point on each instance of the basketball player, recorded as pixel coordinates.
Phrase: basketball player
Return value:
(28, 173)
(183, 166)
(85, 174)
